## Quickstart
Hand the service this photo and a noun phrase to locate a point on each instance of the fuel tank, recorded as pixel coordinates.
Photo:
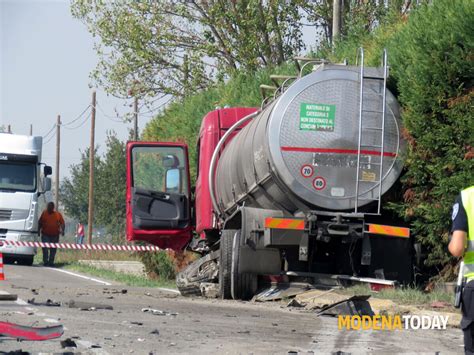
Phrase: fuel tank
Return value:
(302, 151)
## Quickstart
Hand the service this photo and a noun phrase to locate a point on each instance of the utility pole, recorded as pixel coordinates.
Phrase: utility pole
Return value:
(31, 129)
(135, 119)
(58, 151)
(91, 173)
(336, 20)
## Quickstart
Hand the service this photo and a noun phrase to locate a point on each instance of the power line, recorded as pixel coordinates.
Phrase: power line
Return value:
(50, 138)
(49, 132)
(80, 124)
(78, 117)
(110, 117)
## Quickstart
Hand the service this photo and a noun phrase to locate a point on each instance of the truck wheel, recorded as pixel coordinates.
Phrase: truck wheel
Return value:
(26, 260)
(244, 285)
(225, 263)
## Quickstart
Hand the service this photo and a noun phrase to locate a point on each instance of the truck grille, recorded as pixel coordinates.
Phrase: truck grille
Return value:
(5, 215)
(11, 215)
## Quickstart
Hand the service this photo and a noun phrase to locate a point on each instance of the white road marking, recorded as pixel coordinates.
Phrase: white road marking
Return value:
(83, 277)
(167, 290)
(51, 320)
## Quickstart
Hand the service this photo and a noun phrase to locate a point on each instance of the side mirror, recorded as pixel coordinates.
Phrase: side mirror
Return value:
(47, 170)
(47, 183)
(170, 162)
(173, 179)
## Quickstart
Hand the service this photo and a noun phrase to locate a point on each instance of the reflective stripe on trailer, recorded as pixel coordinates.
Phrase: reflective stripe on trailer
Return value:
(389, 230)
(284, 223)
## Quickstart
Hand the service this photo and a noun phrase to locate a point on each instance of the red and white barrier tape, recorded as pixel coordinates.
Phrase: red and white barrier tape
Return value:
(82, 246)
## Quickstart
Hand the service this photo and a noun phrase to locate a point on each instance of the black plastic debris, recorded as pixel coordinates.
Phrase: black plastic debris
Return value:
(48, 303)
(136, 323)
(68, 343)
(356, 305)
(8, 297)
(155, 332)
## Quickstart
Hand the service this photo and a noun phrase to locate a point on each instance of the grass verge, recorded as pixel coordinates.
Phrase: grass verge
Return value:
(68, 260)
(129, 280)
(403, 295)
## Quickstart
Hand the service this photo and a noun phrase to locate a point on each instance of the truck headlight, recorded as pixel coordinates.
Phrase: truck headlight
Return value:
(27, 238)
(31, 216)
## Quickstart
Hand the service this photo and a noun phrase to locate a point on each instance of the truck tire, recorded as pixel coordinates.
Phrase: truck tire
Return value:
(243, 285)
(26, 260)
(225, 263)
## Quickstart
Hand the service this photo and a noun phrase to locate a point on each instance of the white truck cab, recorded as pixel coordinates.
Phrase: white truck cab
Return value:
(21, 186)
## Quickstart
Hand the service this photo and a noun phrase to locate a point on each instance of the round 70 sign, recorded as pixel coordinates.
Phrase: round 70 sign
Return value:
(307, 171)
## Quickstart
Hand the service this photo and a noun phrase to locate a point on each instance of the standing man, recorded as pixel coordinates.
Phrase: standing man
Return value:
(80, 233)
(51, 225)
(462, 244)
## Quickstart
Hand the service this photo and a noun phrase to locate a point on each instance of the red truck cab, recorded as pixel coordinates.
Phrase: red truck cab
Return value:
(159, 198)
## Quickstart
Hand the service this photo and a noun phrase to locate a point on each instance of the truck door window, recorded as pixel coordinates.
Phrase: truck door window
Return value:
(160, 169)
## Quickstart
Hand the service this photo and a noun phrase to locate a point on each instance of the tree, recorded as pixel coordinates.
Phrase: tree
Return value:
(156, 48)
(109, 192)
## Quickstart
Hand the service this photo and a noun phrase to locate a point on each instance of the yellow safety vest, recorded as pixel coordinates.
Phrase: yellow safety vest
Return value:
(467, 197)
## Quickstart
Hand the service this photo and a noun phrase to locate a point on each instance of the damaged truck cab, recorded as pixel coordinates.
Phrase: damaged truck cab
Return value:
(291, 191)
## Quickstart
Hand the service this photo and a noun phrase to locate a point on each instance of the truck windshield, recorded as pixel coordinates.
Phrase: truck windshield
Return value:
(17, 176)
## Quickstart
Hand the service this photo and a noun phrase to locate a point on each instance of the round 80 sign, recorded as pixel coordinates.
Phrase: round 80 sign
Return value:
(319, 183)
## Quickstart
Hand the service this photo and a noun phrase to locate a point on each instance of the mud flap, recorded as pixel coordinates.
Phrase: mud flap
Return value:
(259, 261)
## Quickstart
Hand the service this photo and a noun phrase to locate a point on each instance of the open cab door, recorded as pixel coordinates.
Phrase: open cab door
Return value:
(158, 194)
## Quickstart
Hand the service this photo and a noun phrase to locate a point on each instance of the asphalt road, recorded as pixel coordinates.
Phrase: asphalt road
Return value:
(200, 325)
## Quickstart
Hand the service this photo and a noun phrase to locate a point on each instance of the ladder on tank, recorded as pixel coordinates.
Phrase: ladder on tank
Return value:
(365, 148)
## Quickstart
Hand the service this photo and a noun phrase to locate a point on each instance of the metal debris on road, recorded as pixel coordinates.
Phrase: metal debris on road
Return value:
(353, 306)
(8, 297)
(122, 291)
(68, 343)
(22, 332)
(209, 289)
(158, 312)
(281, 290)
(48, 303)
(86, 306)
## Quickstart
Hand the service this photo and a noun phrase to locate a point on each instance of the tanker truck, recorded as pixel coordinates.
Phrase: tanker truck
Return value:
(292, 190)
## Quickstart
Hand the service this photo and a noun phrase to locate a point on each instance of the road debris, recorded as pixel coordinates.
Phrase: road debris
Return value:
(136, 323)
(281, 290)
(8, 297)
(114, 291)
(155, 332)
(68, 343)
(440, 304)
(48, 303)
(355, 305)
(158, 312)
(209, 289)
(86, 306)
(21, 332)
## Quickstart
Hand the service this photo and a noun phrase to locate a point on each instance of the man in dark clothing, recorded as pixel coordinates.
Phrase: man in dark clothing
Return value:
(51, 225)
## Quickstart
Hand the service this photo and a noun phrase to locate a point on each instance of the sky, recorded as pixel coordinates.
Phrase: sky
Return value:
(45, 59)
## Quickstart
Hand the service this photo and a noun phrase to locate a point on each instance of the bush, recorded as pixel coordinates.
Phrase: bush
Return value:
(165, 265)
(158, 265)
(432, 64)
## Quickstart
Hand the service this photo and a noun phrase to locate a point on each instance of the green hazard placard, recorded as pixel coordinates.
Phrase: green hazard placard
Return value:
(317, 117)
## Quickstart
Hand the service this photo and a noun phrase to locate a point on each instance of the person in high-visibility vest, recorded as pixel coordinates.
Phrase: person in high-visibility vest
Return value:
(462, 244)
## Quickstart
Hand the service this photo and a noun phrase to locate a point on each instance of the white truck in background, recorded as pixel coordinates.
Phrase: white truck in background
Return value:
(22, 182)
